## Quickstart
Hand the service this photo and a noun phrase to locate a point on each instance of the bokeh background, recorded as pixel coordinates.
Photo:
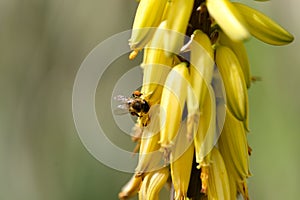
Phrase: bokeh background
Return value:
(42, 44)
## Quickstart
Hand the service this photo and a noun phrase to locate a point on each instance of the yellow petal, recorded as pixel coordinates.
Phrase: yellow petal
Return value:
(172, 104)
(234, 82)
(131, 188)
(148, 15)
(181, 163)
(156, 65)
(264, 28)
(239, 49)
(177, 22)
(228, 18)
(218, 182)
(157, 181)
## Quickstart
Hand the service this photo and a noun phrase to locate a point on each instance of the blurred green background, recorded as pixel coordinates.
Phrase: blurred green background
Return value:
(42, 44)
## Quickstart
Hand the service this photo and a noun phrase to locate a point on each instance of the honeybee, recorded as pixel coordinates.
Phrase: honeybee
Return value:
(135, 105)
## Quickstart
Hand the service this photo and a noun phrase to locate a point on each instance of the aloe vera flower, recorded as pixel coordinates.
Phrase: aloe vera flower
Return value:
(179, 82)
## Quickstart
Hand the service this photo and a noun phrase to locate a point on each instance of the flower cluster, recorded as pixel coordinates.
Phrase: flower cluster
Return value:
(193, 134)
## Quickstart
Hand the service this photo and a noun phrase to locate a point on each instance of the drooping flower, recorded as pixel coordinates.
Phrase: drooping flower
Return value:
(198, 162)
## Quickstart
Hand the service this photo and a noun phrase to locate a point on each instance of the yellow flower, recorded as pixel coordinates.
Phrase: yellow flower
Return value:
(201, 164)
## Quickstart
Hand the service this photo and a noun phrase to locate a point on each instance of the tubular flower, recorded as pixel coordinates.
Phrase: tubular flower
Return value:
(195, 88)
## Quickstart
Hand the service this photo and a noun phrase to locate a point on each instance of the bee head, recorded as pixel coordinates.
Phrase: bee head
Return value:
(136, 94)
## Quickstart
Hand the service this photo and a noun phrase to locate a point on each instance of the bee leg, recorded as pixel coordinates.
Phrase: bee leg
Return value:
(137, 147)
(137, 132)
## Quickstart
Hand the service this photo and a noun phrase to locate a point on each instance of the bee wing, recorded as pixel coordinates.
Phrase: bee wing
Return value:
(123, 99)
(121, 109)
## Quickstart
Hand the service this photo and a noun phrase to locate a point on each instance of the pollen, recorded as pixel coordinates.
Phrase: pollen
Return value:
(133, 55)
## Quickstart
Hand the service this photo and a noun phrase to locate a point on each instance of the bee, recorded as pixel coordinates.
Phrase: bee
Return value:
(135, 105)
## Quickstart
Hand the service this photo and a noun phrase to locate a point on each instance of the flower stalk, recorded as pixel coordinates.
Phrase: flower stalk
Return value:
(198, 162)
